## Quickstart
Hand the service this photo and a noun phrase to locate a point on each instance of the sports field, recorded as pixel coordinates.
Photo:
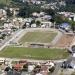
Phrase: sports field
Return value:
(38, 37)
(34, 53)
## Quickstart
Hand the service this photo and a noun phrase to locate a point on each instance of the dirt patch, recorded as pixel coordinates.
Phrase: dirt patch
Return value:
(64, 41)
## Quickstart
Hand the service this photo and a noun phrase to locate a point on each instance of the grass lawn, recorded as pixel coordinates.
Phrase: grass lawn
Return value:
(38, 36)
(34, 53)
(5, 1)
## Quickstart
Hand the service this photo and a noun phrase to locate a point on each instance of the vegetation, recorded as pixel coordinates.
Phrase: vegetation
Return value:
(52, 69)
(1, 22)
(68, 8)
(38, 36)
(38, 23)
(6, 2)
(73, 73)
(9, 13)
(27, 10)
(50, 11)
(34, 53)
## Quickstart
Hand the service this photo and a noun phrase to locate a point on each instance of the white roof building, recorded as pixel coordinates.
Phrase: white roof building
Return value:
(39, 74)
(31, 68)
(34, 25)
(35, 14)
(8, 25)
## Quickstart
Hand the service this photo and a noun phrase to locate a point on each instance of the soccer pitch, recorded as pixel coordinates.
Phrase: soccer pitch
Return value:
(34, 53)
(38, 37)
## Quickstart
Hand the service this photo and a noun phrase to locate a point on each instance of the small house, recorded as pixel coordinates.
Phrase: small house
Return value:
(33, 25)
(65, 26)
(8, 25)
(46, 24)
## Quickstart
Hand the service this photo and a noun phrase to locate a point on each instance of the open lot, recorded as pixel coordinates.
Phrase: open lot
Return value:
(65, 41)
(34, 53)
(38, 36)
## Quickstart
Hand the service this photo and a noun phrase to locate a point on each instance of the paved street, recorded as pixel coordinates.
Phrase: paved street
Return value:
(11, 38)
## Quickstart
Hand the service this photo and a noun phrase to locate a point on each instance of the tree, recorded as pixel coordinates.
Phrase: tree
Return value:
(72, 25)
(3, 36)
(9, 13)
(58, 19)
(52, 69)
(50, 12)
(33, 21)
(24, 11)
(25, 67)
(38, 23)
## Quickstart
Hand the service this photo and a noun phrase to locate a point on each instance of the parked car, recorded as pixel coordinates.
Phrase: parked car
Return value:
(65, 65)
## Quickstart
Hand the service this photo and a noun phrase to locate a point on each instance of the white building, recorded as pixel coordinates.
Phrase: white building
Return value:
(46, 24)
(8, 25)
(39, 74)
(33, 25)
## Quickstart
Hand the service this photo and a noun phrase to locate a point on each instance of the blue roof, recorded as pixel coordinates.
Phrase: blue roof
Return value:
(64, 25)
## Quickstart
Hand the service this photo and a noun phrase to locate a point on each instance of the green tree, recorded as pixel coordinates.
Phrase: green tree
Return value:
(25, 67)
(33, 21)
(72, 25)
(38, 23)
(58, 19)
(9, 13)
(50, 12)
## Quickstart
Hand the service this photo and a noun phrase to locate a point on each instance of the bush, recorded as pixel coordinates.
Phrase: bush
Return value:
(52, 69)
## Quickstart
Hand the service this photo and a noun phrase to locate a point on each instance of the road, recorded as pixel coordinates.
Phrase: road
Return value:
(57, 68)
(11, 38)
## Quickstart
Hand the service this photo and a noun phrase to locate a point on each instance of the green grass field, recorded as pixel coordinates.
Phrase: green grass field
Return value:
(38, 36)
(34, 53)
(5, 2)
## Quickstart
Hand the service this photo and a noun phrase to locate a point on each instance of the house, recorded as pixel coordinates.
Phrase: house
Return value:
(15, 11)
(2, 60)
(18, 22)
(31, 68)
(34, 1)
(25, 73)
(33, 25)
(47, 17)
(42, 14)
(66, 14)
(3, 14)
(49, 5)
(35, 14)
(27, 25)
(62, 3)
(8, 25)
(65, 26)
(28, 20)
(39, 74)
(7, 31)
(72, 17)
(70, 62)
(46, 24)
